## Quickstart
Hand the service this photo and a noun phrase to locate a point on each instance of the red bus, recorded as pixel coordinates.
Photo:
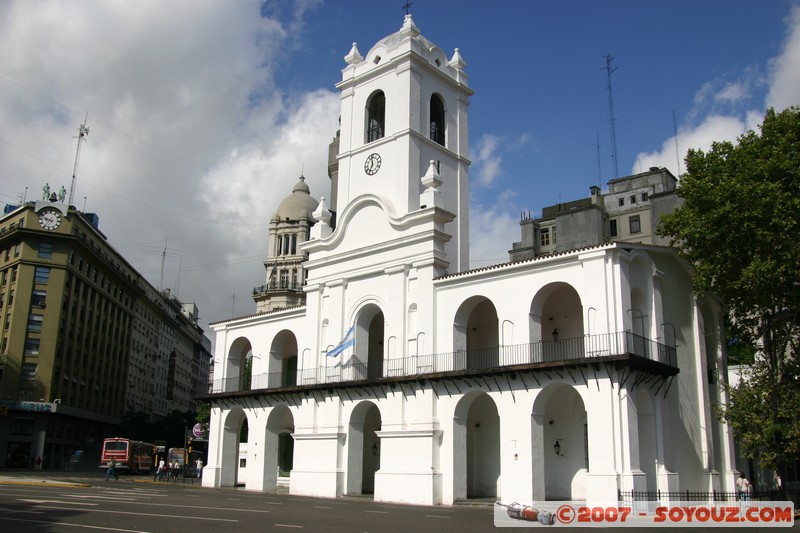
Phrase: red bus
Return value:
(132, 455)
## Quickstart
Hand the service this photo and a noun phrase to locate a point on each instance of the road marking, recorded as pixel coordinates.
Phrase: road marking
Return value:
(56, 501)
(288, 525)
(70, 524)
(435, 516)
(96, 497)
(376, 512)
(322, 507)
(140, 514)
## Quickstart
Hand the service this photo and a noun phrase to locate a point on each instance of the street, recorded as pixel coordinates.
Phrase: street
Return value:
(137, 504)
(54, 501)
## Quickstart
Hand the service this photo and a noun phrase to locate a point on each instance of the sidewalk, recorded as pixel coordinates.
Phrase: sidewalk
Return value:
(44, 478)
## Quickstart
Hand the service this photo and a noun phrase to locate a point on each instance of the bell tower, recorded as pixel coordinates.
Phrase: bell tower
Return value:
(404, 132)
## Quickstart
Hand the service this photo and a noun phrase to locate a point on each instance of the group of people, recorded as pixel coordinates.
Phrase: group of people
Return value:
(172, 470)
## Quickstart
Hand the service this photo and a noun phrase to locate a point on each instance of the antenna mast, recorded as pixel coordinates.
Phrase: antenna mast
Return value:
(163, 258)
(83, 131)
(677, 150)
(609, 58)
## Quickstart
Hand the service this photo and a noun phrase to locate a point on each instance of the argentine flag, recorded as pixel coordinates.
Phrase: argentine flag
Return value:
(347, 341)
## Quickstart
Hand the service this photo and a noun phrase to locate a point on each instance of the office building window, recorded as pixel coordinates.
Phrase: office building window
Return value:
(17, 248)
(613, 228)
(31, 346)
(28, 371)
(544, 237)
(645, 196)
(635, 223)
(38, 298)
(633, 198)
(621, 202)
(45, 250)
(42, 275)
(35, 323)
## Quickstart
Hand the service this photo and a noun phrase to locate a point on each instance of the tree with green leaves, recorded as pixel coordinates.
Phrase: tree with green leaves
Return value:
(739, 228)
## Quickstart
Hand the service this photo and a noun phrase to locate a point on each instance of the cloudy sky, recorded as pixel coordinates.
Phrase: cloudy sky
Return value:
(202, 114)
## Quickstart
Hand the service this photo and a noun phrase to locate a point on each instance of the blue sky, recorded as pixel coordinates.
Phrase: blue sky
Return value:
(202, 114)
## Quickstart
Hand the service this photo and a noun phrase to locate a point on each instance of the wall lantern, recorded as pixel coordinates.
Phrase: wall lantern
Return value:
(557, 447)
(375, 449)
(555, 334)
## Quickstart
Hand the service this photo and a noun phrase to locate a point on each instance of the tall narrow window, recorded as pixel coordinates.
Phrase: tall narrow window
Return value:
(437, 119)
(544, 237)
(41, 275)
(46, 250)
(376, 117)
(635, 224)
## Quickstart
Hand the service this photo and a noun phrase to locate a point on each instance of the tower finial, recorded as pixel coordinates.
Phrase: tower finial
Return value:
(407, 8)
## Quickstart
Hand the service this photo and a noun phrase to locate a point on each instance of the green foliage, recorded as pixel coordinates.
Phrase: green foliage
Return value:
(750, 413)
(204, 417)
(738, 227)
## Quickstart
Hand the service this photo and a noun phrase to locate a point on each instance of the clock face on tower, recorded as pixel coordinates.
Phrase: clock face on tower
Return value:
(372, 164)
(49, 219)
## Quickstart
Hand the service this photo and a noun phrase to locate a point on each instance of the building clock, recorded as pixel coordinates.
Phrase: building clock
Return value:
(372, 164)
(49, 218)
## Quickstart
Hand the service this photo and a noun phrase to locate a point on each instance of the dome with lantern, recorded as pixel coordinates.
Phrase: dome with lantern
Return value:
(299, 204)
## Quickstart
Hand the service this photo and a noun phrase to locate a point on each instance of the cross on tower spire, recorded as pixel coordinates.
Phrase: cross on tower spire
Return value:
(407, 7)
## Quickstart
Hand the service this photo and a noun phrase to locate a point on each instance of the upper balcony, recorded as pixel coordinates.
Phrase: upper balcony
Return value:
(622, 347)
(277, 286)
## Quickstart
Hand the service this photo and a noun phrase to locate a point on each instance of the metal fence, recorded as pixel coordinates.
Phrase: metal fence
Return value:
(634, 497)
(541, 352)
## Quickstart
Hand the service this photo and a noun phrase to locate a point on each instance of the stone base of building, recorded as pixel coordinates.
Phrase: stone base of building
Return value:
(316, 483)
(423, 488)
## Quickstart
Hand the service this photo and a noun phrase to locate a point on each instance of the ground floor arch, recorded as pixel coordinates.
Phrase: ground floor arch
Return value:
(476, 447)
(559, 421)
(234, 430)
(363, 448)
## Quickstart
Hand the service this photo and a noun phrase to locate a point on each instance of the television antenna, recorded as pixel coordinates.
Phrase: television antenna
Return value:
(609, 70)
(83, 131)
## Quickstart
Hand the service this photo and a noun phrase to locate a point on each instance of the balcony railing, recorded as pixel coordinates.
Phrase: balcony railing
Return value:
(275, 286)
(535, 354)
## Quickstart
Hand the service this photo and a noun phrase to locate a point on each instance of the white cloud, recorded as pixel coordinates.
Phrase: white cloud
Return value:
(714, 128)
(190, 141)
(492, 230)
(723, 109)
(487, 163)
(785, 69)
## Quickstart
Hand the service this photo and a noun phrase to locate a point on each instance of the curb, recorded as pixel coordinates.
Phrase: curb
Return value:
(44, 483)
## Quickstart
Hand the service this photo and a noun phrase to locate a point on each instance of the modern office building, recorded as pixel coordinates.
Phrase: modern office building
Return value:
(84, 338)
(408, 376)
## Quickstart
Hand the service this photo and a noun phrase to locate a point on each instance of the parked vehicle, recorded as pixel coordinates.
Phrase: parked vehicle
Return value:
(132, 456)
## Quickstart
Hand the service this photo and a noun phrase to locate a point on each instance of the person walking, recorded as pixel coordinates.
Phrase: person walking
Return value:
(159, 471)
(743, 487)
(112, 469)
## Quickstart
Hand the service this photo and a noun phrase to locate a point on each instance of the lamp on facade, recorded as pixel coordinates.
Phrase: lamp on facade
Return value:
(375, 449)
(557, 447)
(555, 334)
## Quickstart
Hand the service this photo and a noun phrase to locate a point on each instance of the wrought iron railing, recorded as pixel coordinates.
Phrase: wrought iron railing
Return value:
(642, 496)
(278, 286)
(537, 353)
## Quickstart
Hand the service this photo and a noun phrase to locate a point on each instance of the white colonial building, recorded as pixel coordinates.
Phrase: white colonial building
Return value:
(569, 376)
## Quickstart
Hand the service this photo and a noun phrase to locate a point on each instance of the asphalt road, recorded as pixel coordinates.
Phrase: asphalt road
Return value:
(136, 504)
(83, 502)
